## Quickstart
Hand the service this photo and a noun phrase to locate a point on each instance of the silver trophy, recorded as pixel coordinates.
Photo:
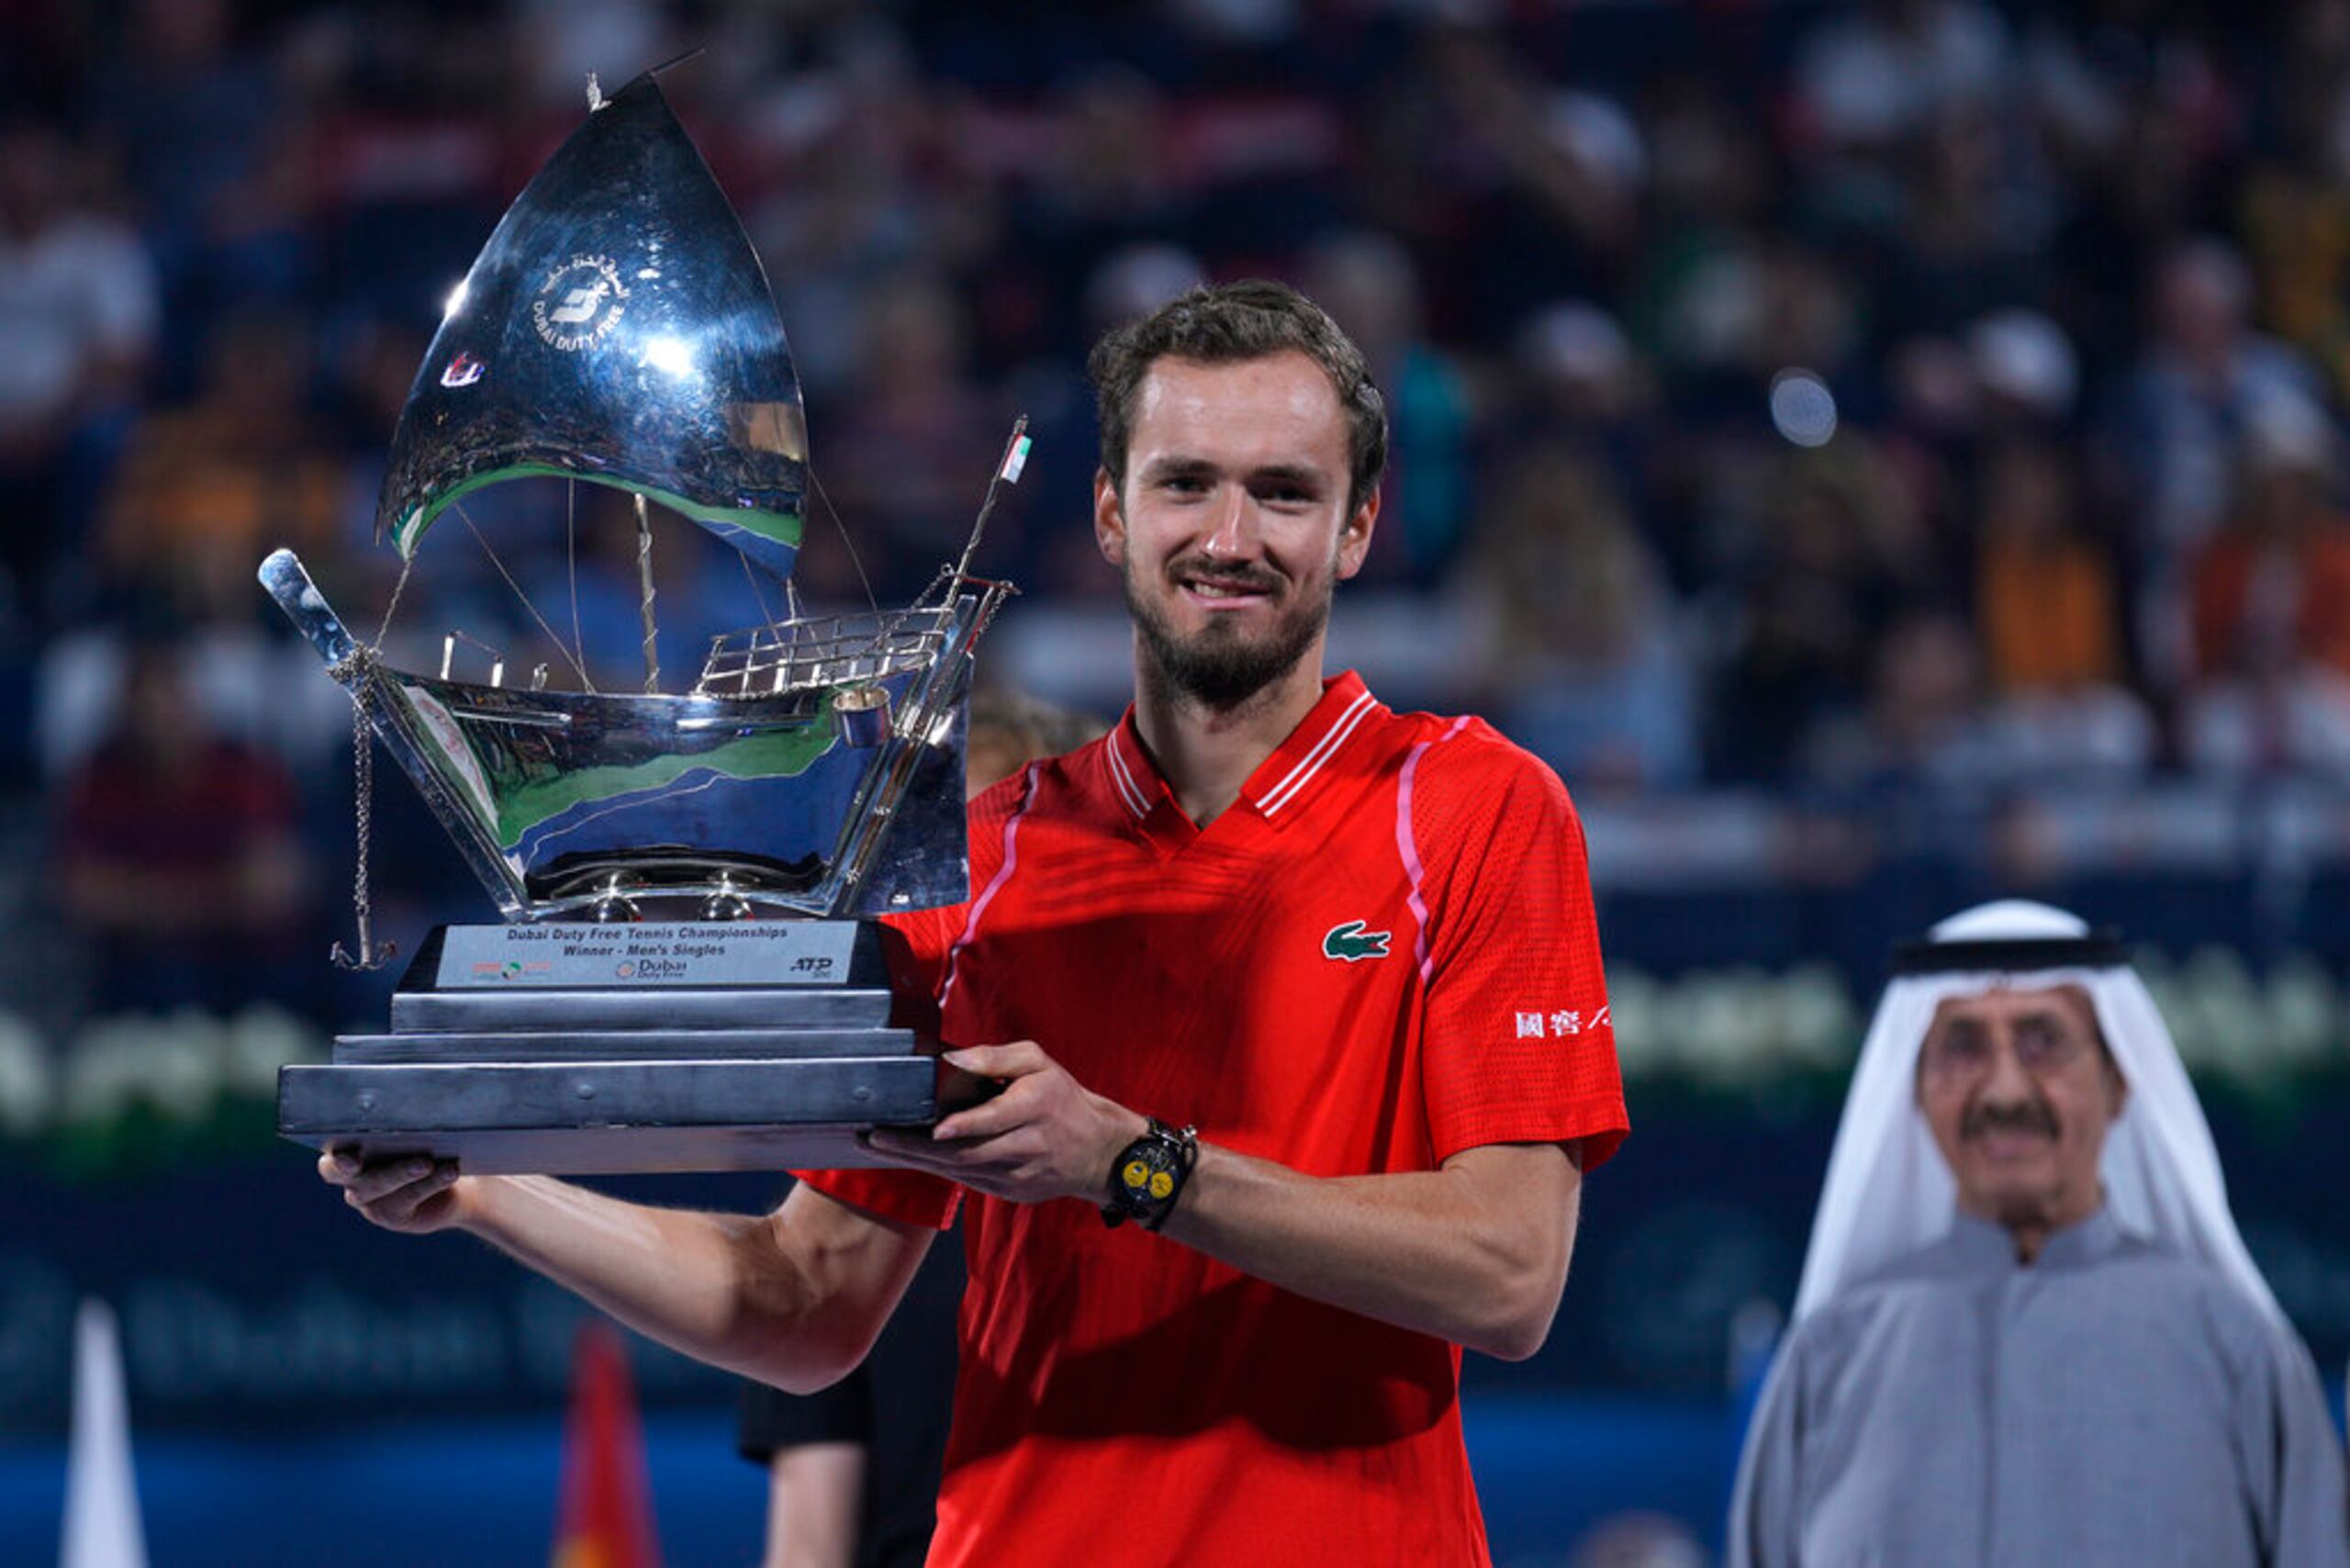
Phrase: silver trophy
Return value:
(636, 1011)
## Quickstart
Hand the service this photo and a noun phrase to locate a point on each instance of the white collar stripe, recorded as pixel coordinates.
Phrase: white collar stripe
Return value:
(1312, 758)
(1128, 790)
(1314, 761)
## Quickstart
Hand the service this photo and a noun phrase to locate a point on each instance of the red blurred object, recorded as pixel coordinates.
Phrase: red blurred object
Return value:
(606, 1518)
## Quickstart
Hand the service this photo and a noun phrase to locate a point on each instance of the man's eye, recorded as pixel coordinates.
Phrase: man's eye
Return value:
(1957, 1050)
(2042, 1046)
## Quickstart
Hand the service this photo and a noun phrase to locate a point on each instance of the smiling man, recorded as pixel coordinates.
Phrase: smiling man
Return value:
(1306, 990)
(2028, 1331)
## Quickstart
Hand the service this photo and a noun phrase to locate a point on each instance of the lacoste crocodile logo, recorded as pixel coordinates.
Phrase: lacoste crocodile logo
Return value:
(1353, 944)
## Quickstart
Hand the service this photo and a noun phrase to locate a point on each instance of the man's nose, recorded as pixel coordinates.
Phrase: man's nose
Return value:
(2005, 1082)
(1234, 530)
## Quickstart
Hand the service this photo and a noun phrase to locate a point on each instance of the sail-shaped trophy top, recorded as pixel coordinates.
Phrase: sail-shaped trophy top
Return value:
(617, 328)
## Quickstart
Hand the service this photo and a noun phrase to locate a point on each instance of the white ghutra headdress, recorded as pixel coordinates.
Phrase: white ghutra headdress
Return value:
(1888, 1192)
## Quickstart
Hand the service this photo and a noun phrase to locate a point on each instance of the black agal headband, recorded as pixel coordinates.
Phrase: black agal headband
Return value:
(2098, 950)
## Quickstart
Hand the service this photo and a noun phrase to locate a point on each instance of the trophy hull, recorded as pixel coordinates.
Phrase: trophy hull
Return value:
(818, 774)
(576, 794)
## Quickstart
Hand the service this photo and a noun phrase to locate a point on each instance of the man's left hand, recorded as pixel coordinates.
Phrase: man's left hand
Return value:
(1044, 1135)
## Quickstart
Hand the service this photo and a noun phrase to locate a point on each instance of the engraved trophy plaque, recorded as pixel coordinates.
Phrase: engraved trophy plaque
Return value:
(687, 977)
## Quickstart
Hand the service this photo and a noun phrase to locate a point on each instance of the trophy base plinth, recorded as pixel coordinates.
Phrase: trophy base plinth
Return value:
(587, 1049)
(578, 1118)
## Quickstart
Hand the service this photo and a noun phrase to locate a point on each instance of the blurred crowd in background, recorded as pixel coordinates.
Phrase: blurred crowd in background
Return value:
(1891, 411)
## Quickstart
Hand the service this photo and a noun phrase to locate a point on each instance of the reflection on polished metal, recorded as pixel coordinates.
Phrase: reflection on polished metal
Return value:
(617, 329)
(727, 903)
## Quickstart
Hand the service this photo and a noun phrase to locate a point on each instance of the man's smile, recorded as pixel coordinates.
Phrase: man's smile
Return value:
(1224, 591)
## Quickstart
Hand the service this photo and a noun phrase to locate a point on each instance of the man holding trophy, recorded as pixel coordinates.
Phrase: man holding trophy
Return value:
(1307, 991)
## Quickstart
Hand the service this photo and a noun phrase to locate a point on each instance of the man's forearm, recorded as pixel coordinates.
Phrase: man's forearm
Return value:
(788, 1305)
(1475, 1252)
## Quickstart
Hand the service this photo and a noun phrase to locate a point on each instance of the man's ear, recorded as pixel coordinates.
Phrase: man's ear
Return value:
(1354, 536)
(1109, 518)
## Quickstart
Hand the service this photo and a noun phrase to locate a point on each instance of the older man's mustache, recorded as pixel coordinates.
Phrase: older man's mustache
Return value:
(2030, 1117)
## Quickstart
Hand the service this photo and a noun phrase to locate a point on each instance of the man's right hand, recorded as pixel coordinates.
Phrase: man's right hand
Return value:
(409, 1193)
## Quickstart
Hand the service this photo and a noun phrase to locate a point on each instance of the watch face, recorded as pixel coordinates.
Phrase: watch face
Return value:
(1147, 1172)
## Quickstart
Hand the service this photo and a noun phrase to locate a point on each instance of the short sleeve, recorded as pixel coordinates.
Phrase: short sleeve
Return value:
(908, 1197)
(1519, 1045)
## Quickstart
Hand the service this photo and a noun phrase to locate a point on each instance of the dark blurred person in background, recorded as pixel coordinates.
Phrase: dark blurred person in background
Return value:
(177, 854)
(2270, 602)
(2028, 1331)
(1586, 651)
(77, 317)
(205, 489)
(2200, 381)
(2049, 603)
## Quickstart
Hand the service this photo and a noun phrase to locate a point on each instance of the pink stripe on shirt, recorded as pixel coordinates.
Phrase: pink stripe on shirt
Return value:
(1409, 848)
(995, 885)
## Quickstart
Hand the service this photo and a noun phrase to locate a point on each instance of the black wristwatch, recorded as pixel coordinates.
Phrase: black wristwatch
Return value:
(1147, 1176)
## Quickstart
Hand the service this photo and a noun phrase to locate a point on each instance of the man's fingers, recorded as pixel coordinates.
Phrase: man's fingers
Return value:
(1014, 1061)
(988, 1117)
(400, 1207)
(375, 1182)
(387, 1192)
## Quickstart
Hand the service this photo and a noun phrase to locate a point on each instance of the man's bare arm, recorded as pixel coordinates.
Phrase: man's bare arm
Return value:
(1475, 1252)
(794, 1298)
(814, 1493)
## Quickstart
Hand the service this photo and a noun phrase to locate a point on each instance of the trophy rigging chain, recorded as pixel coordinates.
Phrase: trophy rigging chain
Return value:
(354, 671)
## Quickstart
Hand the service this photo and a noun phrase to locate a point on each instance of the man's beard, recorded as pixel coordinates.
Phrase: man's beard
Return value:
(1221, 668)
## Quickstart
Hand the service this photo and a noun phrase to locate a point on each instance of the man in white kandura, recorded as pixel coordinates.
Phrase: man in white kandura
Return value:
(2028, 1331)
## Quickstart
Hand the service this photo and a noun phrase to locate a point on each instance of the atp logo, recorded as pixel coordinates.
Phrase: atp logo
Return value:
(1352, 943)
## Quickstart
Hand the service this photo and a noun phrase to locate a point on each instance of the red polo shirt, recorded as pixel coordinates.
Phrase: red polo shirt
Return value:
(1381, 954)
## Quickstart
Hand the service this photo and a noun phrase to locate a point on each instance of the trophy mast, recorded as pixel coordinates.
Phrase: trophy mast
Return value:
(645, 600)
